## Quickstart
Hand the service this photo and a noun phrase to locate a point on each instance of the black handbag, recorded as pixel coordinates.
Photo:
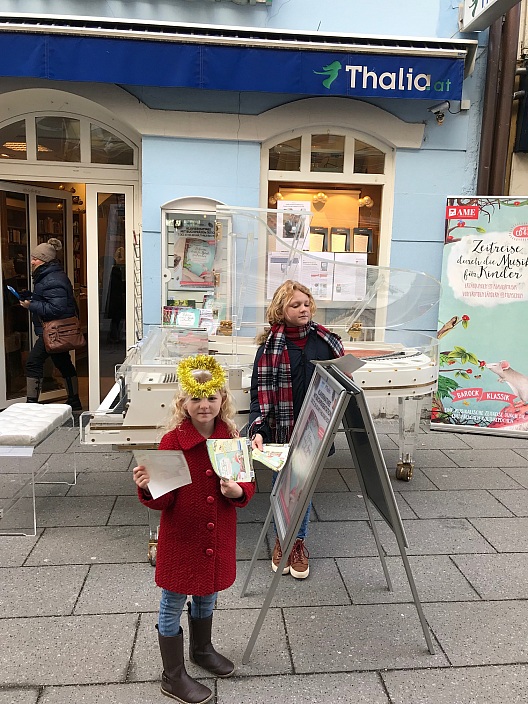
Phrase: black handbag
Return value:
(63, 335)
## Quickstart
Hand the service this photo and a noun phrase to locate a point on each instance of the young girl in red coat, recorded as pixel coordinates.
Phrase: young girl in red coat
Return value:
(197, 535)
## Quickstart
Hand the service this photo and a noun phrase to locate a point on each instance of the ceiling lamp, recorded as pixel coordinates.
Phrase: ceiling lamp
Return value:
(320, 197)
(366, 202)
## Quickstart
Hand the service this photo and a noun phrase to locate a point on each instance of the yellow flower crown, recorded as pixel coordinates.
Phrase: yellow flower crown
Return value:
(194, 388)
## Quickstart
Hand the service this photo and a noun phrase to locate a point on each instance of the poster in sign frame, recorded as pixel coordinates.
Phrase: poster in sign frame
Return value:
(483, 366)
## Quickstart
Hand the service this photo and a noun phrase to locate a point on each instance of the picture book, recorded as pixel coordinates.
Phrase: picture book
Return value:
(272, 456)
(231, 459)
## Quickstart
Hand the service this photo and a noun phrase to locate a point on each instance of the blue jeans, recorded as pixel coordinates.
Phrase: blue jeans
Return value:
(171, 607)
(303, 528)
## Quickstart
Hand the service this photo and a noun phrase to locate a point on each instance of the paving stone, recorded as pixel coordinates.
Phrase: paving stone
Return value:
(341, 539)
(346, 638)
(515, 501)
(22, 465)
(90, 462)
(483, 458)
(470, 478)
(436, 579)
(346, 687)
(519, 474)
(491, 442)
(437, 537)
(340, 458)
(130, 693)
(331, 480)
(350, 507)
(505, 534)
(323, 587)
(256, 511)
(270, 654)
(46, 651)
(418, 482)
(73, 511)
(455, 504)
(350, 478)
(40, 591)
(11, 483)
(437, 441)
(77, 546)
(115, 483)
(59, 441)
(482, 685)
(18, 696)
(129, 511)
(422, 458)
(501, 628)
(14, 550)
(119, 589)
(247, 539)
(496, 576)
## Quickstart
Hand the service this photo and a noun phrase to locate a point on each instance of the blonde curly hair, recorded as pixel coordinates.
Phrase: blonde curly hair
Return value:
(178, 412)
(281, 298)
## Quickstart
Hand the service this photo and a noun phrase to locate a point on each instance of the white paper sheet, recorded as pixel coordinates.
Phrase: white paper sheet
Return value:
(168, 470)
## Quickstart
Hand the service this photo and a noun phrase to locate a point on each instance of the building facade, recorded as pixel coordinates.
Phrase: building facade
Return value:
(107, 118)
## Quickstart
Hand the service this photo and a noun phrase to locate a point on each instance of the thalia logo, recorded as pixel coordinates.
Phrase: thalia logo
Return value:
(331, 72)
(402, 79)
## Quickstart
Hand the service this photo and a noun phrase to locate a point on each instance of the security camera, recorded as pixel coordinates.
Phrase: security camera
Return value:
(440, 107)
(439, 110)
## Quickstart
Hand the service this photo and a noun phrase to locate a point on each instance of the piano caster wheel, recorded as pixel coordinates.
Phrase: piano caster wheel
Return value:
(404, 471)
(152, 552)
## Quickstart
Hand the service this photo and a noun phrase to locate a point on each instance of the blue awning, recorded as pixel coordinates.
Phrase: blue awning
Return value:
(419, 70)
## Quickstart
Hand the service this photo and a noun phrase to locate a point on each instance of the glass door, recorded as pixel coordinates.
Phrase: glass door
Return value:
(28, 216)
(15, 329)
(109, 248)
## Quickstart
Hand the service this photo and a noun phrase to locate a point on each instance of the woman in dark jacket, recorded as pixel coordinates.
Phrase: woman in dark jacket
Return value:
(52, 299)
(281, 375)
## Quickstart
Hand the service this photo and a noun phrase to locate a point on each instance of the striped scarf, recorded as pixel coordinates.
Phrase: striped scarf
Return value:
(275, 393)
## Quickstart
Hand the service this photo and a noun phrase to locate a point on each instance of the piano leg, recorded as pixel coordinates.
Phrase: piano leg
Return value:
(410, 410)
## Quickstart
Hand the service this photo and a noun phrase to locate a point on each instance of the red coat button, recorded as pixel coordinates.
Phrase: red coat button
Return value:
(209, 472)
(210, 499)
(209, 552)
(210, 526)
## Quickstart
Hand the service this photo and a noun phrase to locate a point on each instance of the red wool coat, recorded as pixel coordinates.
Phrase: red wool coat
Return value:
(197, 534)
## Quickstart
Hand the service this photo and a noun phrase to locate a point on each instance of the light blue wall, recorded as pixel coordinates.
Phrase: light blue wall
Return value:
(175, 168)
(427, 18)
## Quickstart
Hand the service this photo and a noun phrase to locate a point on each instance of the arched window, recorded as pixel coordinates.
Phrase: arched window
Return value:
(327, 153)
(65, 139)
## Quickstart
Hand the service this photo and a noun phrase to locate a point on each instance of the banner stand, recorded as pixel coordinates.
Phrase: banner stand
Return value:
(332, 398)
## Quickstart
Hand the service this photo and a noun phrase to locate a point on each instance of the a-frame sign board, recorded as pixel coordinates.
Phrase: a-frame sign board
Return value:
(332, 397)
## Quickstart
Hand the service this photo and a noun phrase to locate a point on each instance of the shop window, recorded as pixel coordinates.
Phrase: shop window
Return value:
(327, 153)
(368, 159)
(58, 139)
(108, 148)
(286, 156)
(13, 141)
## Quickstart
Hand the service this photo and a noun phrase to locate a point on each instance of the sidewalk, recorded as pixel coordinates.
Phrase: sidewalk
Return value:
(79, 604)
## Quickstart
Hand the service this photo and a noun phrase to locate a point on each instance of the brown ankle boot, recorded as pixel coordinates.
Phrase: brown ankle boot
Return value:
(175, 682)
(201, 650)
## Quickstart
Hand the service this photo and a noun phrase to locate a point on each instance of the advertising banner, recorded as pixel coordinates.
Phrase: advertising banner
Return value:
(483, 379)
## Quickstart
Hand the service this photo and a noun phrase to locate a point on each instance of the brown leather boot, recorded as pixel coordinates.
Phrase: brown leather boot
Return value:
(201, 650)
(175, 682)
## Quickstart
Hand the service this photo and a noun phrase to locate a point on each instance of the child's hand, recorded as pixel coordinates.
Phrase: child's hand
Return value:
(257, 442)
(141, 476)
(231, 489)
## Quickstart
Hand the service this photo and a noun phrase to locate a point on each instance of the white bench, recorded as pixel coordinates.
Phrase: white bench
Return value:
(23, 426)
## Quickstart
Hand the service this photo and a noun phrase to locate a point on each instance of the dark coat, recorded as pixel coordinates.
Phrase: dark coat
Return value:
(197, 534)
(301, 374)
(52, 297)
